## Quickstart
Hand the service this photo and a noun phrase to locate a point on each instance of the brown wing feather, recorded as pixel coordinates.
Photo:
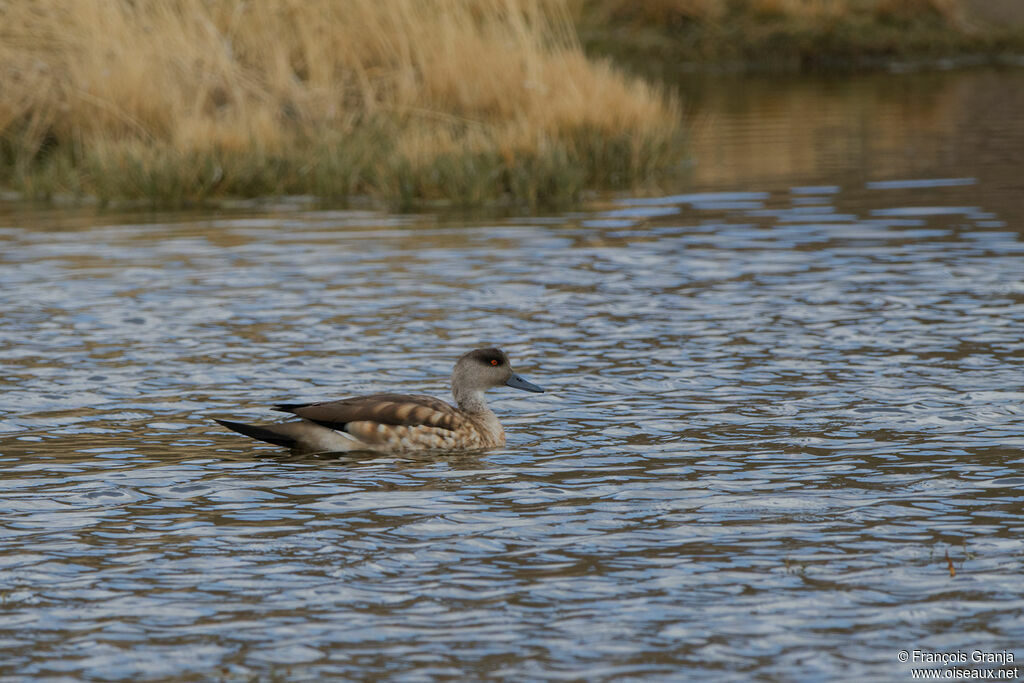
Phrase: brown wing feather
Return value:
(400, 438)
(408, 410)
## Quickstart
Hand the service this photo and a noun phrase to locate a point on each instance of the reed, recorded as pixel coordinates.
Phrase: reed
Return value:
(466, 101)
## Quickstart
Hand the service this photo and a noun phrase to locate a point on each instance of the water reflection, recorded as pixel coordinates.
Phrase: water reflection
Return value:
(771, 415)
(783, 131)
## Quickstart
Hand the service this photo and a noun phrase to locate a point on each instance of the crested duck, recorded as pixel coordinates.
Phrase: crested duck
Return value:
(400, 423)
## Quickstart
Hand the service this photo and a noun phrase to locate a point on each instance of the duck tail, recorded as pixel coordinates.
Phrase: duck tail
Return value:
(261, 433)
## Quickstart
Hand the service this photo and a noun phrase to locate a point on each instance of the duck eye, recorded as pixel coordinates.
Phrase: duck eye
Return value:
(494, 361)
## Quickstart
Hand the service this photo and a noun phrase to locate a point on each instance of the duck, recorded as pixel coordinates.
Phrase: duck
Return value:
(400, 423)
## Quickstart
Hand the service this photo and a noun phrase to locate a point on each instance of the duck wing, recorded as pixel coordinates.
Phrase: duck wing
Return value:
(405, 410)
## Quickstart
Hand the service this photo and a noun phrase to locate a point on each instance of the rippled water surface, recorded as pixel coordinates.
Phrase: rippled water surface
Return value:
(777, 402)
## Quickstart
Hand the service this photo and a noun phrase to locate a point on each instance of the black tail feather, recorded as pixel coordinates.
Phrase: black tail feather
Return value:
(260, 433)
(289, 407)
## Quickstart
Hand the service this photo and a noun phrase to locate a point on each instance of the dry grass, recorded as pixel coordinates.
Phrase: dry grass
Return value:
(409, 100)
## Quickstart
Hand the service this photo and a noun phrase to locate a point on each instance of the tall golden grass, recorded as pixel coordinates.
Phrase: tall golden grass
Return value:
(409, 100)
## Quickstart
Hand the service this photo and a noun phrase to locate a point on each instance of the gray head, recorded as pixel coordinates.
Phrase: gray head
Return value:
(481, 369)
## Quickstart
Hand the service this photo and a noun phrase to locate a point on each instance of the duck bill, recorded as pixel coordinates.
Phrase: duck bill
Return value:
(517, 382)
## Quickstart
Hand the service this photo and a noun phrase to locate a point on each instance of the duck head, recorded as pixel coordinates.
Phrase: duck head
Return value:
(482, 369)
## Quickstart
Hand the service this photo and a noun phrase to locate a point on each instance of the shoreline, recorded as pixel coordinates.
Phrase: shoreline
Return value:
(787, 36)
(418, 134)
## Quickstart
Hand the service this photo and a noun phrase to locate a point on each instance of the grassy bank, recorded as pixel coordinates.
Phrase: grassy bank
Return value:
(799, 34)
(175, 101)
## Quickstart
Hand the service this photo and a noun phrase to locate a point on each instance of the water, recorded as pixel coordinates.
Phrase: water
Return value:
(779, 398)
